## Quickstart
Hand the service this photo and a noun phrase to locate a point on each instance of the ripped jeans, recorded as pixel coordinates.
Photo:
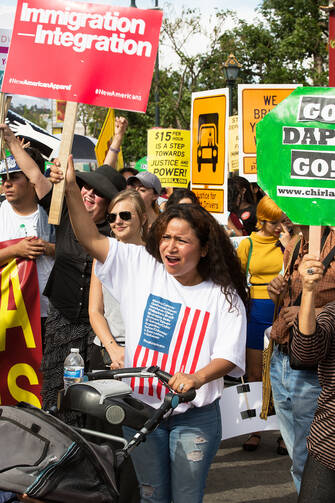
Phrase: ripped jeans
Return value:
(173, 463)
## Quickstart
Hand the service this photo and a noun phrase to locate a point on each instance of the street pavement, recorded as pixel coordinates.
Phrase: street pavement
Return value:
(262, 476)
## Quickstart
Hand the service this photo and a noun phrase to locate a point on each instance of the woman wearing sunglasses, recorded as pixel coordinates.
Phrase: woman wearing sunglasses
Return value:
(182, 299)
(128, 222)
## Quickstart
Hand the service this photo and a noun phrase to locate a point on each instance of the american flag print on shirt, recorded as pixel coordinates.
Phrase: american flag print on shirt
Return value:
(166, 322)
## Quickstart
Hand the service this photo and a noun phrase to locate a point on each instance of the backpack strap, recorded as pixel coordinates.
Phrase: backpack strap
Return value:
(294, 256)
(326, 261)
(249, 257)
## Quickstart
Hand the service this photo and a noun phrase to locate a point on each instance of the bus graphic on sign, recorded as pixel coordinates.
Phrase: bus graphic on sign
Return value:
(207, 149)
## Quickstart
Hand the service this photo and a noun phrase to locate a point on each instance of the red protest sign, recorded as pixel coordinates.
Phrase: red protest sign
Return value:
(87, 53)
(20, 332)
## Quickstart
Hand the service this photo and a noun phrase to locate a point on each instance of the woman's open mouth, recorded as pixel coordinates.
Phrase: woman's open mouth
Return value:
(172, 260)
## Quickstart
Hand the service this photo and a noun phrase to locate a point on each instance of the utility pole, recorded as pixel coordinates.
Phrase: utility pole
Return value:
(157, 109)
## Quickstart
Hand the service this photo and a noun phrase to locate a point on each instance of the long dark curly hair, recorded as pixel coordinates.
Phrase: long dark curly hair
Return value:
(221, 264)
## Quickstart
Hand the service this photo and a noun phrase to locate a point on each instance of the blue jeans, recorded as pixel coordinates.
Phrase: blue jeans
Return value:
(295, 395)
(173, 463)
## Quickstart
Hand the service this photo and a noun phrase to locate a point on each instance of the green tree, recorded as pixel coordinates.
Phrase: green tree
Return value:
(36, 114)
(286, 43)
(301, 29)
(92, 118)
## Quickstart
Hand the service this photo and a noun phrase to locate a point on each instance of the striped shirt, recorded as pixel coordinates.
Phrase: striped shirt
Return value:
(320, 348)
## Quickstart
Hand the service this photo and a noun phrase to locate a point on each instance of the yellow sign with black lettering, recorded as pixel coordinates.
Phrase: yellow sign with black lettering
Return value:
(209, 150)
(211, 200)
(255, 102)
(169, 156)
(233, 143)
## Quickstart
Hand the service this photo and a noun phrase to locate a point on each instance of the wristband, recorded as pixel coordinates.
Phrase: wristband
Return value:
(115, 150)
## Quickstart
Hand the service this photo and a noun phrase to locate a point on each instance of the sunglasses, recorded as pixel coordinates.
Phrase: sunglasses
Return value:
(124, 215)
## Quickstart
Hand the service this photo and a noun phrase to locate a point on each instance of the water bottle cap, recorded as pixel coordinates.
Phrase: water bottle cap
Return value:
(74, 350)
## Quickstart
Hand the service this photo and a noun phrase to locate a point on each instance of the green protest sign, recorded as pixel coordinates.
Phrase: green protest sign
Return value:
(142, 164)
(296, 155)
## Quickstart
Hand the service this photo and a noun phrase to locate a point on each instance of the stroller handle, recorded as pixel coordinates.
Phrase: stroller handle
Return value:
(144, 372)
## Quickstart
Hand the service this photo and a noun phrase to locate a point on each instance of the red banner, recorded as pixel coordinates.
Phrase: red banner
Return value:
(20, 332)
(88, 53)
(331, 48)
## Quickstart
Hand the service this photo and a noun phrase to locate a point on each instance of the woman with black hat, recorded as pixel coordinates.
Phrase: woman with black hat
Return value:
(68, 324)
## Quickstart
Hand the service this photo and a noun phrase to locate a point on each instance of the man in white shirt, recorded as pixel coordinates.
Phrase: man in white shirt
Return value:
(22, 217)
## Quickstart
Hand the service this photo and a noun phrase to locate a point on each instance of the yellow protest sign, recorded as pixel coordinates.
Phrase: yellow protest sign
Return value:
(233, 143)
(208, 138)
(104, 140)
(209, 141)
(211, 200)
(169, 156)
(254, 102)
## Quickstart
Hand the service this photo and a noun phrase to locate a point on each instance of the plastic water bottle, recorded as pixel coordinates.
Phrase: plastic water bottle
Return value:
(73, 368)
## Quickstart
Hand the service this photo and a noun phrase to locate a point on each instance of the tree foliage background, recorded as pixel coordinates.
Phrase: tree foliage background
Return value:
(285, 43)
(37, 115)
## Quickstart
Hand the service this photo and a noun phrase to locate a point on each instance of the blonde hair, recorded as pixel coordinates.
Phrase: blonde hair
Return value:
(267, 210)
(137, 201)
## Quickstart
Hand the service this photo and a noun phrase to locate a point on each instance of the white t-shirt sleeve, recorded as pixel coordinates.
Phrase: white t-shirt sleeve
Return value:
(121, 263)
(124, 264)
(230, 342)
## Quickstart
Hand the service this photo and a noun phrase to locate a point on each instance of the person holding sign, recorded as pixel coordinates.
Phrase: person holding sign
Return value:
(262, 259)
(296, 390)
(313, 343)
(182, 302)
(22, 217)
(67, 288)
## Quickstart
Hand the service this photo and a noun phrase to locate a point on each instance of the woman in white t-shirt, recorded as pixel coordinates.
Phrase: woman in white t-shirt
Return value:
(182, 300)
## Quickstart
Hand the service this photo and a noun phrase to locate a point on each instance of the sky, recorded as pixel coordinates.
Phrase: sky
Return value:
(244, 8)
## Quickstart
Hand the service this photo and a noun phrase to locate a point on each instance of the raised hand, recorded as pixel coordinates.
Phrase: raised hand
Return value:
(311, 271)
(121, 125)
(56, 173)
(8, 134)
(285, 236)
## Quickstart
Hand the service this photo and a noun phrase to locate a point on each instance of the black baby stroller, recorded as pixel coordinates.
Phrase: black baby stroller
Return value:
(53, 462)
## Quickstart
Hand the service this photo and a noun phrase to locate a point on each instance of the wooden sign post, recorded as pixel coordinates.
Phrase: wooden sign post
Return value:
(314, 240)
(4, 106)
(64, 152)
